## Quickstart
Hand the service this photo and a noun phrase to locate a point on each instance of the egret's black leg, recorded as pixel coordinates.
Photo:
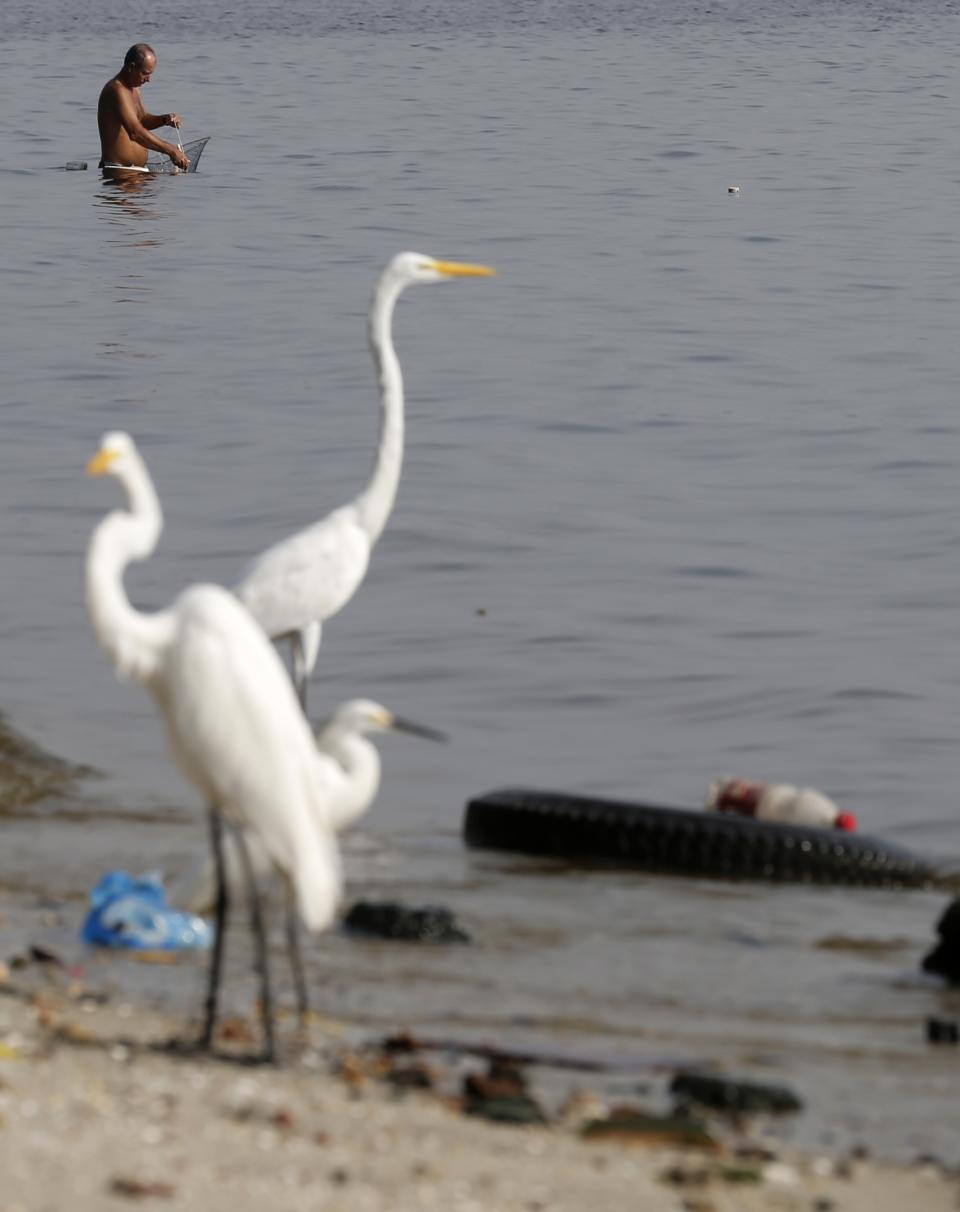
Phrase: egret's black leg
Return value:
(222, 905)
(260, 943)
(296, 962)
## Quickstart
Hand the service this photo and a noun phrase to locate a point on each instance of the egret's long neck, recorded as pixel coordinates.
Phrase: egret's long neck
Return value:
(376, 501)
(360, 762)
(131, 638)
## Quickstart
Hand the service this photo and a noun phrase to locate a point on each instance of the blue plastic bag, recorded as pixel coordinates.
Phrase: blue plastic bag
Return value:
(132, 912)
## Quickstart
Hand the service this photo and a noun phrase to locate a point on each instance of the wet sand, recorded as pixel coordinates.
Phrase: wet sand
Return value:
(93, 1114)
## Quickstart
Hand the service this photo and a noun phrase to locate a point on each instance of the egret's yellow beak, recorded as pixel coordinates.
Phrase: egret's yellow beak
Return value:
(456, 269)
(100, 462)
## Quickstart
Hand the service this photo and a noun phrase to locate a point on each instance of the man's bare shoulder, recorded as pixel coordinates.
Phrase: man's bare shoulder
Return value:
(119, 99)
(111, 92)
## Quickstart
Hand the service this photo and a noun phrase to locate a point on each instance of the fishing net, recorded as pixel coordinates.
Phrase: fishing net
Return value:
(193, 150)
(155, 162)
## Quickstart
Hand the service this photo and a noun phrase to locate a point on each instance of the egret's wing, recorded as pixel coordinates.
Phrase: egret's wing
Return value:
(307, 577)
(240, 736)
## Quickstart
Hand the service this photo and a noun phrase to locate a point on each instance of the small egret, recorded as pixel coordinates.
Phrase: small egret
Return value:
(232, 717)
(298, 583)
(349, 767)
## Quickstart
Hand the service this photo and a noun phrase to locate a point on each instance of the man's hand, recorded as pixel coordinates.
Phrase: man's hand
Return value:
(180, 160)
(171, 120)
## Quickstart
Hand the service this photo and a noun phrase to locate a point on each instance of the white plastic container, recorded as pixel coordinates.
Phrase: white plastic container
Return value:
(778, 802)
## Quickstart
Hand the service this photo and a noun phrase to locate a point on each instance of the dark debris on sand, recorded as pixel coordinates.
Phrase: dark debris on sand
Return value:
(391, 920)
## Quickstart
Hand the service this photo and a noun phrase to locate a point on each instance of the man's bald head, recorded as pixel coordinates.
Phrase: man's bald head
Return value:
(141, 57)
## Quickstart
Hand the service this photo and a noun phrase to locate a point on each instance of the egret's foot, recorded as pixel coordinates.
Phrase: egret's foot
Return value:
(179, 1046)
(266, 1057)
(236, 1031)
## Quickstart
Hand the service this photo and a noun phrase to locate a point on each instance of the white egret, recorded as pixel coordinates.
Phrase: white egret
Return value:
(349, 773)
(232, 717)
(298, 583)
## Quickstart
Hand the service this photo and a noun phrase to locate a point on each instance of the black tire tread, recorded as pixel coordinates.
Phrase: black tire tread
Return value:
(679, 841)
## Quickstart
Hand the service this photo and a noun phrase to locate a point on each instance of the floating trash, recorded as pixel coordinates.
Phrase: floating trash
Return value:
(778, 802)
(132, 912)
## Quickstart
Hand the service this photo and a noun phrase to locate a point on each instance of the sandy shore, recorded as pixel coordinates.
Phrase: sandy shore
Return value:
(94, 1115)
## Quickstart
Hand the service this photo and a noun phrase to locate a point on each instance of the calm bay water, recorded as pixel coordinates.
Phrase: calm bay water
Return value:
(679, 497)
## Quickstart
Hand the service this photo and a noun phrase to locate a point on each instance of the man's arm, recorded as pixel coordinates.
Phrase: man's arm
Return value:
(152, 121)
(139, 133)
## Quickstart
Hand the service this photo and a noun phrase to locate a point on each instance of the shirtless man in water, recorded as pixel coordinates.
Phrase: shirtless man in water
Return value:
(125, 125)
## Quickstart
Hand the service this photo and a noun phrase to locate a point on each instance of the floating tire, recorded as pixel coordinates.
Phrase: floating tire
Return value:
(677, 841)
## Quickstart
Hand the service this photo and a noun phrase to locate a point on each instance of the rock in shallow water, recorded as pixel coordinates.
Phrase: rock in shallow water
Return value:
(944, 959)
(727, 1094)
(391, 920)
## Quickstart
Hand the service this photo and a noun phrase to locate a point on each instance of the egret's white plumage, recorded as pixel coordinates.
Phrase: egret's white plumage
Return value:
(293, 586)
(351, 759)
(349, 778)
(232, 718)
